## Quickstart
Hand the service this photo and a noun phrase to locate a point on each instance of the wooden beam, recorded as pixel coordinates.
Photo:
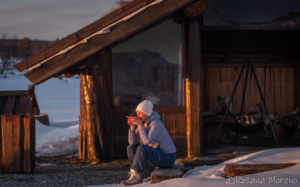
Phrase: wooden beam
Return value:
(122, 30)
(14, 93)
(193, 90)
(158, 109)
(233, 170)
(239, 65)
(195, 9)
(82, 33)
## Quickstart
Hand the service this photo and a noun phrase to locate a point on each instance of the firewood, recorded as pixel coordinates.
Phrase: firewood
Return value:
(233, 170)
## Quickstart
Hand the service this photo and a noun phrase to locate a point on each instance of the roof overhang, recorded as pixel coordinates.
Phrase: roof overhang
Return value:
(114, 27)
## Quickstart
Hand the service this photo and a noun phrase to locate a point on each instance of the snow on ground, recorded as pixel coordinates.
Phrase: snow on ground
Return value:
(60, 100)
(211, 176)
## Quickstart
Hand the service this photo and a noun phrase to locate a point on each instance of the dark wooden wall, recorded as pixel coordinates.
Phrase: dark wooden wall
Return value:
(277, 85)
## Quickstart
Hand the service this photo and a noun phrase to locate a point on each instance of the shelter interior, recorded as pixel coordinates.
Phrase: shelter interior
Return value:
(275, 57)
(181, 55)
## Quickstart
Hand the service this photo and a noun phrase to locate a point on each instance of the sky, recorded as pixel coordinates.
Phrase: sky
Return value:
(49, 19)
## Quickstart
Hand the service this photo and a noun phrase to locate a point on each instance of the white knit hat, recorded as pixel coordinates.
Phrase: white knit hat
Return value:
(145, 107)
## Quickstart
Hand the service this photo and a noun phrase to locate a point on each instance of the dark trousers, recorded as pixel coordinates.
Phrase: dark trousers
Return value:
(138, 155)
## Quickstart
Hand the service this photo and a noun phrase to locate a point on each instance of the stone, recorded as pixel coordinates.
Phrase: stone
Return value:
(43, 118)
(162, 174)
(201, 161)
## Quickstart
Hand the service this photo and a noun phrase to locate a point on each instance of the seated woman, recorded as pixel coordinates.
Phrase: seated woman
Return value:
(156, 146)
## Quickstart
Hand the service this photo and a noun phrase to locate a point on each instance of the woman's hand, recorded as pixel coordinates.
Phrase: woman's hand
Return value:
(132, 126)
(137, 122)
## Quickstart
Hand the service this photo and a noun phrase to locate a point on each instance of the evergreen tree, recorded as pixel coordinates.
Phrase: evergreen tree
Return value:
(24, 48)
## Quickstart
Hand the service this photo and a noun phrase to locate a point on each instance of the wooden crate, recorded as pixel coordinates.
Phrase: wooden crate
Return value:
(17, 130)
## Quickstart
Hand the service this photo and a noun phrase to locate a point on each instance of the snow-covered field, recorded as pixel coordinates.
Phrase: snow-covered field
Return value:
(60, 100)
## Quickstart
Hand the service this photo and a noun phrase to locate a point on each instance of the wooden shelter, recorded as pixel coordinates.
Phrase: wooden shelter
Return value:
(17, 127)
(167, 51)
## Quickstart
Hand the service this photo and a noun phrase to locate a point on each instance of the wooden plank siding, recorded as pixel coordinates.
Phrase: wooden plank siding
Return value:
(17, 144)
(277, 86)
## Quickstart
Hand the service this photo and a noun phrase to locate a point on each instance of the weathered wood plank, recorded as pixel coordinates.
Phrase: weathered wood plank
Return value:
(13, 93)
(16, 132)
(237, 100)
(27, 145)
(22, 141)
(180, 143)
(169, 122)
(7, 124)
(260, 76)
(277, 90)
(233, 170)
(283, 90)
(32, 141)
(124, 29)
(82, 33)
(180, 124)
(10, 103)
(269, 89)
(290, 92)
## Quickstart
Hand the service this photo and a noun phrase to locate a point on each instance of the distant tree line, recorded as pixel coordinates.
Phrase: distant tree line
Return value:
(13, 50)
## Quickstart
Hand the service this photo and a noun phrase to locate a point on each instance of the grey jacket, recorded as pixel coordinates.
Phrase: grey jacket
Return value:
(157, 136)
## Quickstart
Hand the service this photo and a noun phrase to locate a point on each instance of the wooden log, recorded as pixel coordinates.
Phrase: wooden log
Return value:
(82, 121)
(195, 8)
(201, 161)
(122, 30)
(103, 105)
(193, 106)
(233, 170)
(90, 126)
(161, 174)
(96, 134)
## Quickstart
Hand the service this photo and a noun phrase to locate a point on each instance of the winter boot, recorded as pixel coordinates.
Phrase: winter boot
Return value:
(135, 178)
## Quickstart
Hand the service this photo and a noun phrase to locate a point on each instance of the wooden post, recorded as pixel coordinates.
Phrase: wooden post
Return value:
(1, 152)
(193, 89)
(297, 79)
(96, 135)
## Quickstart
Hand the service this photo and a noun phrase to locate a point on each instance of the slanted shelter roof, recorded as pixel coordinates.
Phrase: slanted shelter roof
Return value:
(72, 51)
